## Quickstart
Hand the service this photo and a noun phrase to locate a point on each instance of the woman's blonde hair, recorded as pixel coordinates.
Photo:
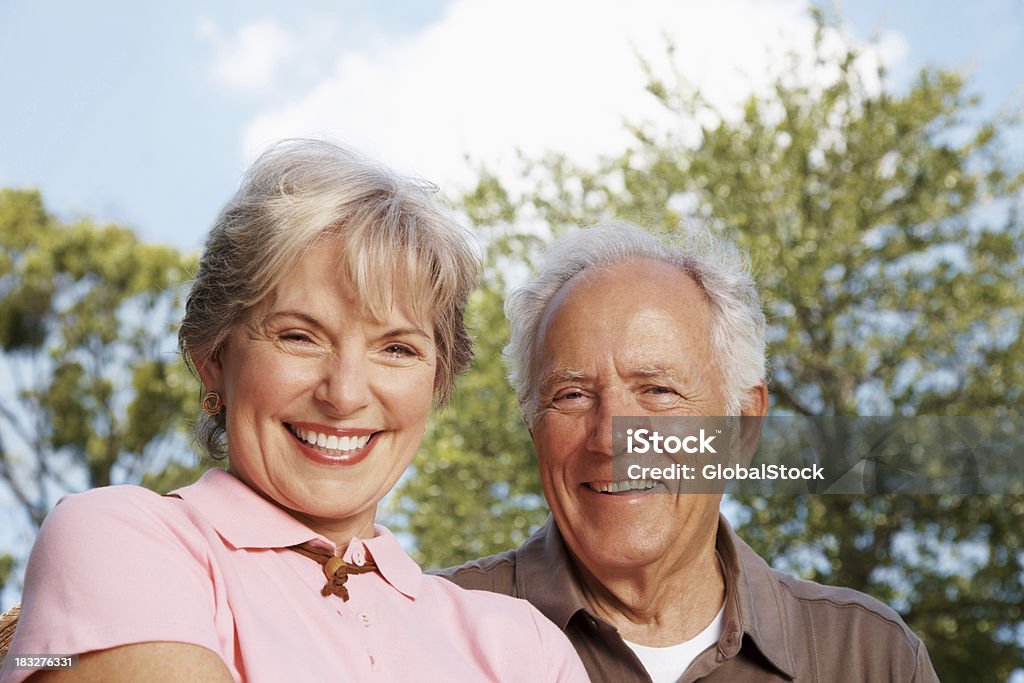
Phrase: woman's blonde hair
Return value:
(300, 193)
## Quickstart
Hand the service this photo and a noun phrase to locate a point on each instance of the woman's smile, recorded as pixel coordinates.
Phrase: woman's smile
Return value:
(331, 446)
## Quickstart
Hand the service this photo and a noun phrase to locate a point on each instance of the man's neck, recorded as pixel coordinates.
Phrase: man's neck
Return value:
(663, 603)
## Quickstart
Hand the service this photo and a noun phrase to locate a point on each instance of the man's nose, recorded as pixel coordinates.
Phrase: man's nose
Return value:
(344, 386)
(599, 440)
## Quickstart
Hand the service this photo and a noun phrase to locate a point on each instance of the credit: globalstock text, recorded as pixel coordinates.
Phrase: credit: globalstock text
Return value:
(645, 441)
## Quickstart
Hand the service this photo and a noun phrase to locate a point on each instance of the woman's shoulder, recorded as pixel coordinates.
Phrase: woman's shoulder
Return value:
(132, 506)
(457, 593)
(116, 566)
(118, 523)
(103, 498)
(487, 608)
(499, 621)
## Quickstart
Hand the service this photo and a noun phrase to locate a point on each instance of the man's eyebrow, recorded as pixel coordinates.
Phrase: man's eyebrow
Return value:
(650, 371)
(562, 375)
(654, 371)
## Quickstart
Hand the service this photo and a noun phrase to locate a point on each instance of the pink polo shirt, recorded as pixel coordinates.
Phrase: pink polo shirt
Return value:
(210, 566)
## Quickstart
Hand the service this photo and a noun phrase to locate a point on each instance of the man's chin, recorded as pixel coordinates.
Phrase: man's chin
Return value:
(610, 533)
(609, 550)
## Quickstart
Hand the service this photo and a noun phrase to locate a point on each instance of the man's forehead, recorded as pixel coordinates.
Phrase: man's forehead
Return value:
(562, 374)
(634, 319)
(648, 275)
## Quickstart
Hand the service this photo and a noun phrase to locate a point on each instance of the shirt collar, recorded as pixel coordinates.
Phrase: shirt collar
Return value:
(754, 607)
(754, 602)
(393, 563)
(247, 520)
(545, 576)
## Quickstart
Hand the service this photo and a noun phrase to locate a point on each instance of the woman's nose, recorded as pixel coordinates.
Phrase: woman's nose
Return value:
(344, 385)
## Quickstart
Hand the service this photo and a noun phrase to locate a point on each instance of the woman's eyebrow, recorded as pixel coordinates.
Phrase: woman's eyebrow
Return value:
(399, 331)
(312, 320)
(306, 317)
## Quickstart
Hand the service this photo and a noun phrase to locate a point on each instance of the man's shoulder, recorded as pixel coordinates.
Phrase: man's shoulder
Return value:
(834, 605)
(496, 573)
(843, 620)
(846, 632)
(821, 608)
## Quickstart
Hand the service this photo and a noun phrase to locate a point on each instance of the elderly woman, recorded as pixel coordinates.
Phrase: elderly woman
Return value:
(326, 316)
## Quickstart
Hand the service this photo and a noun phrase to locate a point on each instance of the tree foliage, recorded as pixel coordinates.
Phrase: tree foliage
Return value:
(6, 565)
(885, 232)
(476, 462)
(97, 393)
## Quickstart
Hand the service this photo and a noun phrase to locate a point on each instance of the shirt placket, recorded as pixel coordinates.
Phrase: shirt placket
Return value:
(360, 611)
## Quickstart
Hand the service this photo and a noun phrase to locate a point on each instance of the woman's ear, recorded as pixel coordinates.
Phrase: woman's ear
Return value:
(209, 370)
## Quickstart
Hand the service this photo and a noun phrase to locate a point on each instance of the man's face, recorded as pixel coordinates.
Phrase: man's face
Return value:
(632, 340)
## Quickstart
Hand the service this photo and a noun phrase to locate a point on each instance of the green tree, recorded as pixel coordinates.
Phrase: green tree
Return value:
(476, 462)
(6, 565)
(97, 393)
(886, 235)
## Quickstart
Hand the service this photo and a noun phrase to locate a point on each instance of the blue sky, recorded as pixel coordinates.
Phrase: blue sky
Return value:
(146, 113)
(111, 110)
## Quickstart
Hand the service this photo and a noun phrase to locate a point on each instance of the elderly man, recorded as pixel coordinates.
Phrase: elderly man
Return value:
(652, 585)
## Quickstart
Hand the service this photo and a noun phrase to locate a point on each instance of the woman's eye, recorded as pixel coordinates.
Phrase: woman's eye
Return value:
(569, 396)
(400, 351)
(296, 337)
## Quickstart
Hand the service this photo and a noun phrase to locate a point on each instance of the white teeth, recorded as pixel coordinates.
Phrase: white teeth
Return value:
(331, 442)
(619, 486)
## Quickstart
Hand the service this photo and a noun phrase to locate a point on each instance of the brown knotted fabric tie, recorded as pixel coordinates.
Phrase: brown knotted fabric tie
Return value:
(335, 569)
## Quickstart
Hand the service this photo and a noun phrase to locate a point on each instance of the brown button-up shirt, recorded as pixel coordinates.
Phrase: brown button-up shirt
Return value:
(776, 627)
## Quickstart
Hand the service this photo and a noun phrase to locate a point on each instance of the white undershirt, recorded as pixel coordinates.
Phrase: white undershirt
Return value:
(667, 664)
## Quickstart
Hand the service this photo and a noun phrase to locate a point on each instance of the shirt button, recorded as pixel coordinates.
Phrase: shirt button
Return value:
(365, 618)
(359, 557)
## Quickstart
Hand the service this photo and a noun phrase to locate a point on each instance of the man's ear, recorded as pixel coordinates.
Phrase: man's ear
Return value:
(526, 423)
(756, 401)
(755, 407)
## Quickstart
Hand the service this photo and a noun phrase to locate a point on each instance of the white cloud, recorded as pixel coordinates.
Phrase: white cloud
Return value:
(492, 77)
(253, 57)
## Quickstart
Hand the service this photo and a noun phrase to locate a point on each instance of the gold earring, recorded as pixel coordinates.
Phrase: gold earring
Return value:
(212, 403)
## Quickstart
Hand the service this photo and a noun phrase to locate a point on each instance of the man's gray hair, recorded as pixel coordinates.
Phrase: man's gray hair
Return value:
(717, 266)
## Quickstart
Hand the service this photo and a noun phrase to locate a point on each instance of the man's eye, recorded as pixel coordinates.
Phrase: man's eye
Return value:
(569, 395)
(661, 393)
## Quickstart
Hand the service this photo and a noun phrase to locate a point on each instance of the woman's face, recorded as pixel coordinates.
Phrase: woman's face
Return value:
(325, 404)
